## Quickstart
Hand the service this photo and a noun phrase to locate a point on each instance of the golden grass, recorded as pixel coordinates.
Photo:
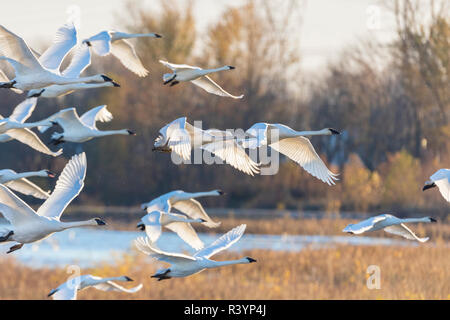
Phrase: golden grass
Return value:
(421, 272)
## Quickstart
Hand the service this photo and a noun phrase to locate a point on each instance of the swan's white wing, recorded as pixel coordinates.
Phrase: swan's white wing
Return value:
(66, 292)
(99, 113)
(224, 242)
(153, 227)
(404, 231)
(148, 248)
(15, 210)
(185, 231)
(65, 39)
(125, 52)
(81, 59)
(442, 179)
(192, 208)
(69, 185)
(300, 150)
(68, 119)
(180, 142)
(364, 225)
(4, 78)
(27, 187)
(207, 84)
(229, 151)
(178, 67)
(24, 110)
(28, 137)
(101, 43)
(13, 47)
(112, 286)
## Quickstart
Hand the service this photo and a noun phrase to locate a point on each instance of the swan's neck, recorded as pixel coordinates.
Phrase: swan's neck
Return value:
(174, 218)
(412, 220)
(30, 125)
(313, 133)
(112, 132)
(95, 78)
(77, 224)
(208, 71)
(214, 264)
(188, 195)
(31, 174)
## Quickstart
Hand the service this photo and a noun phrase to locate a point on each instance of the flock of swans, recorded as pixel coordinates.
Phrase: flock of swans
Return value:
(41, 76)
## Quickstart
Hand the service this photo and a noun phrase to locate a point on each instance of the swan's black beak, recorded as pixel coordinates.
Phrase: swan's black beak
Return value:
(52, 292)
(250, 260)
(433, 220)
(50, 174)
(141, 226)
(115, 84)
(106, 78)
(158, 35)
(221, 192)
(231, 67)
(428, 186)
(100, 222)
(128, 278)
(334, 131)
(131, 133)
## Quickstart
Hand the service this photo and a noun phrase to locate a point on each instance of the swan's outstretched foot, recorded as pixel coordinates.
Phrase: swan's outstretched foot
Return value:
(16, 247)
(162, 276)
(8, 85)
(170, 80)
(174, 83)
(57, 141)
(5, 238)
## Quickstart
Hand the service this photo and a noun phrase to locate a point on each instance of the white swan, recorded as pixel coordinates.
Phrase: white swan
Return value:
(440, 179)
(198, 76)
(80, 61)
(179, 136)
(116, 43)
(292, 144)
(20, 114)
(27, 225)
(183, 265)
(153, 222)
(30, 73)
(19, 182)
(68, 290)
(390, 224)
(81, 129)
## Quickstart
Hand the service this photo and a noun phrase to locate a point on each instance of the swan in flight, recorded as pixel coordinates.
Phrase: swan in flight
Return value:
(153, 222)
(68, 290)
(116, 43)
(20, 114)
(80, 61)
(292, 144)
(19, 182)
(27, 225)
(184, 265)
(196, 75)
(440, 179)
(390, 224)
(81, 129)
(31, 73)
(179, 137)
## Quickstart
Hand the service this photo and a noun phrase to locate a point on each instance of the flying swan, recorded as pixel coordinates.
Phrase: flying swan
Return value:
(116, 43)
(81, 129)
(440, 179)
(31, 73)
(20, 114)
(27, 225)
(179, 137)
(68, 290)
(196, 75)
(390, 224)
(292, 144)
(19, 182)
(182, 265)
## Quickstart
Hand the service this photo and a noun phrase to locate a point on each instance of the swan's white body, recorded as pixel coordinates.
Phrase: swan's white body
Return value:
(198, 76)
(19, 182)
(180, 137)
(68, 290)
(31, 73)
(182, 265)
(390, 224)
(81, 129)
(159, 216)
(441, 179)
(27, 225)
(114, 42)
(21, 113)
(292, 144)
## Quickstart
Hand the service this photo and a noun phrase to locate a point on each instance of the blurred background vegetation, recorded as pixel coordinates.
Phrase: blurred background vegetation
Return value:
(391, 102)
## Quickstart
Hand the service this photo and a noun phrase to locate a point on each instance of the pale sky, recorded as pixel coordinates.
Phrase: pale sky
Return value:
(328, 25)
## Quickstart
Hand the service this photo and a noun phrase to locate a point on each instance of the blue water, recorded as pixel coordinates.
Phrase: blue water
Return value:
(90, 247)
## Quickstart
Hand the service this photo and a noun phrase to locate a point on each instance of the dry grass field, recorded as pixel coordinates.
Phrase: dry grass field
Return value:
(421, 272)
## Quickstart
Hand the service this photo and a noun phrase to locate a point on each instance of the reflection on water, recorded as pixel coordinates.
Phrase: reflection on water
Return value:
(88, 247)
